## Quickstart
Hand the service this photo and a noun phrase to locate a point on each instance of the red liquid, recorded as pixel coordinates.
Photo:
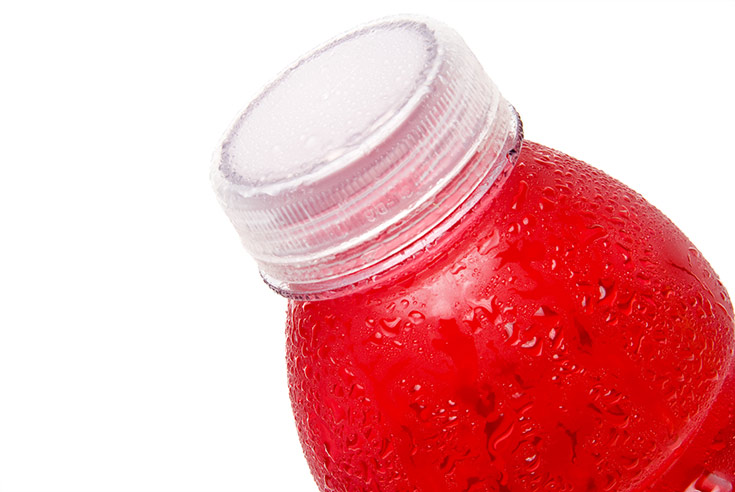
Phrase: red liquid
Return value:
(565, 335)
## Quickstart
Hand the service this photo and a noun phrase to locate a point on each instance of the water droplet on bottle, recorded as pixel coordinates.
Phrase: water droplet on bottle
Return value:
(544, 311)
(490, 242)
(509, 329)
(520, 196)
(311, 142)
(390, 326)
(530, 343)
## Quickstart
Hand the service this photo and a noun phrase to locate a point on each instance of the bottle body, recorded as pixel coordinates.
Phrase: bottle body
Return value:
(564, 335)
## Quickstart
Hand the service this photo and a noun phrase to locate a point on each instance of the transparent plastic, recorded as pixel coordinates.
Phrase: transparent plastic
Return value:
(336, 169)
(470, 311)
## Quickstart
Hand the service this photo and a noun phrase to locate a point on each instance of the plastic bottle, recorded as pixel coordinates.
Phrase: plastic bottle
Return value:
(469, 311)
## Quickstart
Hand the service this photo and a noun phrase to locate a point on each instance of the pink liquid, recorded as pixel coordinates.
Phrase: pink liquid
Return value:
(564, 336)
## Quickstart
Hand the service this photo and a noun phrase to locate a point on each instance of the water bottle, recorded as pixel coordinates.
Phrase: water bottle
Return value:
(469, 311)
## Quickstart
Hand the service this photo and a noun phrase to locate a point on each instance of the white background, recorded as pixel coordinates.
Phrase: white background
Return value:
(139, 350)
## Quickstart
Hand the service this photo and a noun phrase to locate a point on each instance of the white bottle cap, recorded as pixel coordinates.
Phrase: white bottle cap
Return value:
(351, 157)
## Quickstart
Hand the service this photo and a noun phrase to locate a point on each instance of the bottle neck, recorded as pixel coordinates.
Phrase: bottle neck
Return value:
(373, 257)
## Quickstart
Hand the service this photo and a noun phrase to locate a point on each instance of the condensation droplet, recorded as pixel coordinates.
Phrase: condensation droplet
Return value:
(416, 317)
(530, 344)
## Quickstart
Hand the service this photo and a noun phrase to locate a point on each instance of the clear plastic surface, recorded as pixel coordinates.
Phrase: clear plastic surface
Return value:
(332, 173)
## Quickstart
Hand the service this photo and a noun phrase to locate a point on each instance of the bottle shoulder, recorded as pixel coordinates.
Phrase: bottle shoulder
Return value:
(553, 230)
